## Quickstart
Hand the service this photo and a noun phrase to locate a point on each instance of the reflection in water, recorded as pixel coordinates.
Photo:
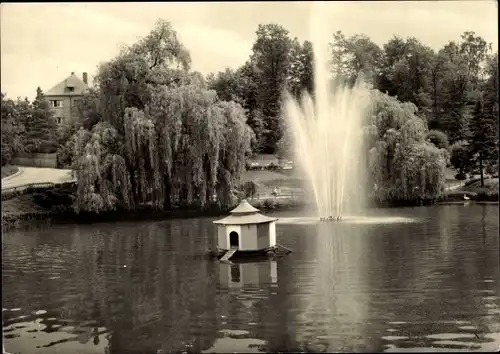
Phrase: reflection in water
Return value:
(245, 289)
(432, 284)
(337, 271)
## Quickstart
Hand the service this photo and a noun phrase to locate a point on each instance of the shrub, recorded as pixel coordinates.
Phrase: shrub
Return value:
(438, 138)
(56, 197)
(272, 167)
(460, 156)
(249, 189)
(269, 204)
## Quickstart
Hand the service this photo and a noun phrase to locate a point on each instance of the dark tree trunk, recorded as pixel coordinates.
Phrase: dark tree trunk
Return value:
(481, 170)
(167, 205)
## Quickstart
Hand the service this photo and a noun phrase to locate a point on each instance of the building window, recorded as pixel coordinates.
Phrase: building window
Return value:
(56, 103)
(59, 120)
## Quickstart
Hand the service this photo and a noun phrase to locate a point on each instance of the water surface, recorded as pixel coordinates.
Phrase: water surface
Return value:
(416, 279)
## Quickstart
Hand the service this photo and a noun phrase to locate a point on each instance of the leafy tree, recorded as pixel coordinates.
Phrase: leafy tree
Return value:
(126, 81)
(285, 145)
(458, 74)
(354, 56)
(13, 132)
(407, 72)
(438, 138)
(454, 112)
(41, 127)
(404, 167)
(87, 109)
(307, 64)
(174, 145)
(491, 96)
(301, 71)
(484, 137)
(474, 51)
(460, 157)
(226, 85)
(271, 59)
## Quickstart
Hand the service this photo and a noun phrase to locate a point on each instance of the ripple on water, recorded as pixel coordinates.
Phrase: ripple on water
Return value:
(468, 328)
(47, 332)
(394, 338)
(445, 336)
(240, 345)
(310, 220)
(234, 332)
(450, 343)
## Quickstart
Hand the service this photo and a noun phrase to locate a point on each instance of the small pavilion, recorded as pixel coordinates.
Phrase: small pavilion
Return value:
(246, 230)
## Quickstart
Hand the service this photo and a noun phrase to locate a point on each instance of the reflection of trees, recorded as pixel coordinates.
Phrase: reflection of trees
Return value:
(168, 294)
(429, 274)
(140, 281)
(172, 293)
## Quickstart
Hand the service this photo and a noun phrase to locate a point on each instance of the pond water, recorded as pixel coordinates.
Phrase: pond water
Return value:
(406, 279)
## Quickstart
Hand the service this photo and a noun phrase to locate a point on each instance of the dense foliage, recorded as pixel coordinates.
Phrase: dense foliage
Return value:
(12, 128)
(277, 63)
(153, 132)
(162, 137)
(27, 127)
(404, 165)
(41, 127)
(446, 86)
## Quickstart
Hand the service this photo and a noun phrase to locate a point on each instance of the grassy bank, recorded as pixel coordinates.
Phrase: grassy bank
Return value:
(474, 191)
(54, 205)
(286, 181)
(9, 170)
(26, 209)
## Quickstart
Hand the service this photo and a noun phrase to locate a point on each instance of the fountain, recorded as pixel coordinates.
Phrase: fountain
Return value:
(327, 135)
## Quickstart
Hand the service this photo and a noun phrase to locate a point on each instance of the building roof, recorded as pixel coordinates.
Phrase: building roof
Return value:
(244, 208)
(244, 214)
(244, 219)
(63, 88)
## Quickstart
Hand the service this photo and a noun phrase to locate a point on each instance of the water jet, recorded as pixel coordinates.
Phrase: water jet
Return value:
(328, 137)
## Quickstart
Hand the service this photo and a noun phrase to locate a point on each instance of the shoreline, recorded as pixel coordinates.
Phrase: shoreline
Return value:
(50, 217)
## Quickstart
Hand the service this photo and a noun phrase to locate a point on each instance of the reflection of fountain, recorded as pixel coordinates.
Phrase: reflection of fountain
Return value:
(333, 317)
(327, 135)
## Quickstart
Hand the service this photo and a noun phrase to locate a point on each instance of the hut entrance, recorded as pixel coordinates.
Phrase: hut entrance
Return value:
(234, 241)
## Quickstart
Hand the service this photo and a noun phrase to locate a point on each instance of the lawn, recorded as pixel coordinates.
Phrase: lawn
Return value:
(268, 180)
(22, 204)
(9, 170)
(490, 185)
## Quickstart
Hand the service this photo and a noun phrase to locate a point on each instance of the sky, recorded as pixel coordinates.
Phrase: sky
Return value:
(42, 43)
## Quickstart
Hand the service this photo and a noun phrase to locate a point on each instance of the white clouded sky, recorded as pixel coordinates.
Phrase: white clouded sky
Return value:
(41, 44)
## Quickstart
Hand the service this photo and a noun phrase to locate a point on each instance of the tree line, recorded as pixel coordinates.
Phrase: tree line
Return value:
(153, 132)
(454, 89)
(27, 127)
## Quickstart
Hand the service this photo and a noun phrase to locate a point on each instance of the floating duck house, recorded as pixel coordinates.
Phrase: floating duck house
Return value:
(246, 231)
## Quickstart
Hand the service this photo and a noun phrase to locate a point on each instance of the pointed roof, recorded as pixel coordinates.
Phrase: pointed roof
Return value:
(244, 214)
(63, 88)
(244, 208)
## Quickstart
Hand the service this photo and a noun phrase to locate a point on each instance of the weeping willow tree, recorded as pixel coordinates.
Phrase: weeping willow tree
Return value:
(163, 139)
(404, 166)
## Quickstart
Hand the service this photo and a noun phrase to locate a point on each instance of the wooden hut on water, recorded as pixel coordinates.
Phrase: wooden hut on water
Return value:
(246, 232)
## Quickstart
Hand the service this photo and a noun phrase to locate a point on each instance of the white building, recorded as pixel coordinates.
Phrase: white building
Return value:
(246, 230)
